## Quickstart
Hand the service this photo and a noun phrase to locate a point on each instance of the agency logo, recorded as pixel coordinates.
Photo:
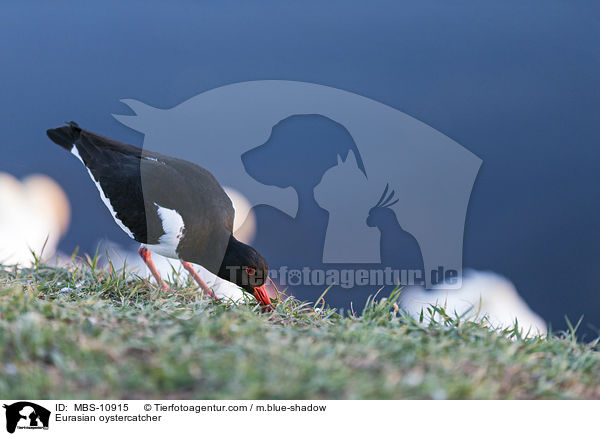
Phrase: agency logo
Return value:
(25, 415)
(331, 180)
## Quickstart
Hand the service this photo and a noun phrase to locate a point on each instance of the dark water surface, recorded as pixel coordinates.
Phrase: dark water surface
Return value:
(515, 82)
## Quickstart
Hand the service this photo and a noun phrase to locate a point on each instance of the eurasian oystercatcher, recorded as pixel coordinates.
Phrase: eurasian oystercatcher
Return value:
(170, 206)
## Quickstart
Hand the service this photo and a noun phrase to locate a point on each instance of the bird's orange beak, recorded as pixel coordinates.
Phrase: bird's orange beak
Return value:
(260, 293)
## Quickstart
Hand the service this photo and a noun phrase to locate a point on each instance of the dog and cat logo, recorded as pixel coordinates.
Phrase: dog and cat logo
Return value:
(25, 415)
(311, 162)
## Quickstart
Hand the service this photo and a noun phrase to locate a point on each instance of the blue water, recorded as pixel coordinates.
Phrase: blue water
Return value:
(515, 82)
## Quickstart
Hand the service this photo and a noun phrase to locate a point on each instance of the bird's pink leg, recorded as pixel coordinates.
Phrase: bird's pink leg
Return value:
(147, 256)
(190, 269)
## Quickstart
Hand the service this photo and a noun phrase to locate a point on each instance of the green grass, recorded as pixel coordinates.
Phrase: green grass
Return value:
(86, 332)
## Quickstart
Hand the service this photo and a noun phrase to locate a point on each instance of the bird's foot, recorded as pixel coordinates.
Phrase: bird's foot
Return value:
(190, 269)
(147, 257)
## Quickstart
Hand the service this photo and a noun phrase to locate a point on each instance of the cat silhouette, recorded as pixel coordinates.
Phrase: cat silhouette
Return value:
(348, 239)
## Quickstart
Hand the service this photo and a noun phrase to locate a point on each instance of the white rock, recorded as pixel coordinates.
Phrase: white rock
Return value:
(120, 257)
(482, 294)
(34, 215)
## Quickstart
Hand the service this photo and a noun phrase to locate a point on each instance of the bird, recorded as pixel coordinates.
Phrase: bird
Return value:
(396, 245)
(170, 206)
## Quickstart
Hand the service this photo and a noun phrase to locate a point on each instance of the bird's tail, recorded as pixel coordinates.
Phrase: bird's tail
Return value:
(65, 136)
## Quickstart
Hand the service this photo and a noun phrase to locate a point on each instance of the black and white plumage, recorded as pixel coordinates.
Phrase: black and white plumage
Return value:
(171, 206)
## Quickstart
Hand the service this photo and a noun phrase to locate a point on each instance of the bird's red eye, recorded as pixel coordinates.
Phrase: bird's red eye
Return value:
(250, 271)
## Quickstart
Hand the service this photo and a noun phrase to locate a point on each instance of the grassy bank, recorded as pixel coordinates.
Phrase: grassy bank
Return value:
(84, 332)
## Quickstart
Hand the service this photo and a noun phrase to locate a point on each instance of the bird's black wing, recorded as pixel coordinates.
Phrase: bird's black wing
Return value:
(136, 182)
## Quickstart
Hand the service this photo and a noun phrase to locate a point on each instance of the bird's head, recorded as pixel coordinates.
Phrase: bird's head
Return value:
(381, 211)
(245, 267)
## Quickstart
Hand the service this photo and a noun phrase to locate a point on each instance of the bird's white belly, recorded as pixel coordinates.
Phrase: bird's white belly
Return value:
(163, 250)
